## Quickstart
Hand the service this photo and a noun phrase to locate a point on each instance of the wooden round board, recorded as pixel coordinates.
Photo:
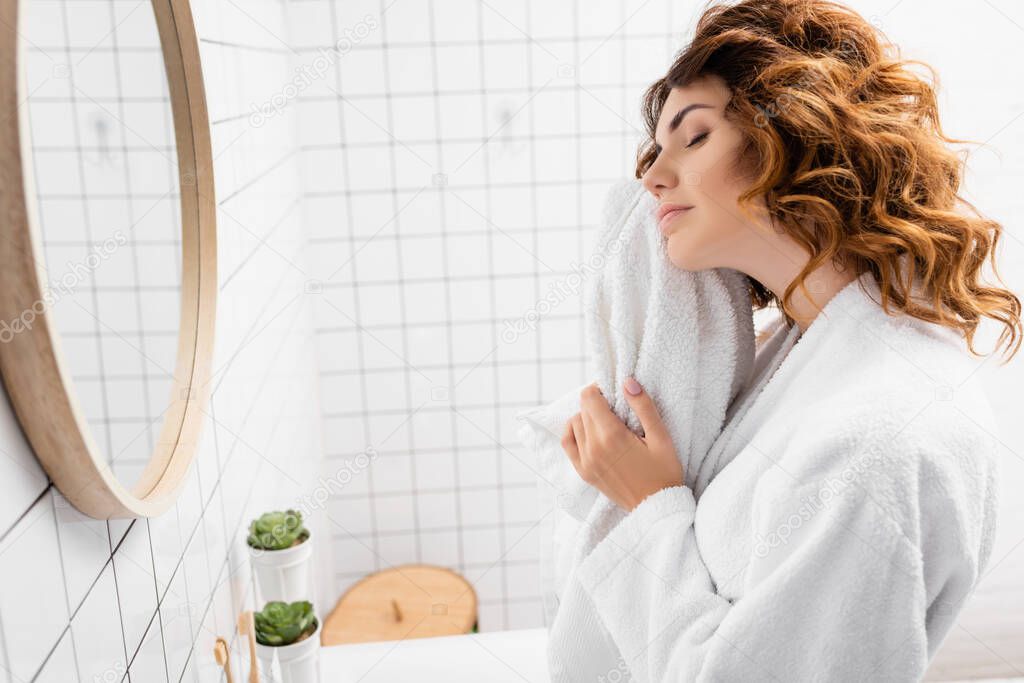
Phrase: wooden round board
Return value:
(406, 601)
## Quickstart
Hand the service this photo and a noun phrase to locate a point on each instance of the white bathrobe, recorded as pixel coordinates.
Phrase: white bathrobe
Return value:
(846, 512)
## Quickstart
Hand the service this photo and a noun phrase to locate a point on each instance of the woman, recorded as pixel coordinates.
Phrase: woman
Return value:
(852, 510)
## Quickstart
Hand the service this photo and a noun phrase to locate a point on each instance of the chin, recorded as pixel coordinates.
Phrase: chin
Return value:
(685, 260)
(685, 255)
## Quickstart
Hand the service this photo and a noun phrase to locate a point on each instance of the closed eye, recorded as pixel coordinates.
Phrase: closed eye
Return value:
(697, 139)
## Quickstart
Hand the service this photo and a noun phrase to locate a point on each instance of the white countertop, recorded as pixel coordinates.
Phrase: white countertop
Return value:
(495, 657)
(517, 656)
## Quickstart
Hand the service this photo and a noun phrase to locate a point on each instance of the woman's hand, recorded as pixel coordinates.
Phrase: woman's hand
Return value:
(608, 455)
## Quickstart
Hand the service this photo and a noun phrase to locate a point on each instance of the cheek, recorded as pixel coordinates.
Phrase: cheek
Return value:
(718, 185)
(703, 241)
(718, 178)
(719, 216)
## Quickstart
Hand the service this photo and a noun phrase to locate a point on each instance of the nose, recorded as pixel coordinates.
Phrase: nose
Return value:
(660, 177)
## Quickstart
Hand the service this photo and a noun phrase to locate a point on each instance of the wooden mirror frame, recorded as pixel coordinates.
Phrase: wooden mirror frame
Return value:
(34, 371)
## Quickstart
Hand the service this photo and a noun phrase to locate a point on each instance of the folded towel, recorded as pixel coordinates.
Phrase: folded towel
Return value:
(687, 338)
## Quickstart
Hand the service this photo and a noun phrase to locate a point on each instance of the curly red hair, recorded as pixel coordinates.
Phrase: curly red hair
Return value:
(838, 130)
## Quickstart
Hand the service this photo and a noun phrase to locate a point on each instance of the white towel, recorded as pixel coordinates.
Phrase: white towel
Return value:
(687, 338)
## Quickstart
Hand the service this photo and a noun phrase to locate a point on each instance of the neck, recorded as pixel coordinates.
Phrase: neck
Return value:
(822, 284)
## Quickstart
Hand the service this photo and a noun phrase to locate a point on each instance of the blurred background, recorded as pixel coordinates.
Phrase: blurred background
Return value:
(405, 192)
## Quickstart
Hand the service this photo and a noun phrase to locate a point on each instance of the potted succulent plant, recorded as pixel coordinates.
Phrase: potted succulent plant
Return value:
(280, 549)
(291, 633)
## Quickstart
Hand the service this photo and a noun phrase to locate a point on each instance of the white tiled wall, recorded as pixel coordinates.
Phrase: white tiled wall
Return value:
(86, 600)
(455, 156)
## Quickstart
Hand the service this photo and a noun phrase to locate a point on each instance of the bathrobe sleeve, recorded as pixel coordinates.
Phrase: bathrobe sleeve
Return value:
(834, 591)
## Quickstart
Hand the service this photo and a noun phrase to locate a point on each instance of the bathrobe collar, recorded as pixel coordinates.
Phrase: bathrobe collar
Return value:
(858, 301)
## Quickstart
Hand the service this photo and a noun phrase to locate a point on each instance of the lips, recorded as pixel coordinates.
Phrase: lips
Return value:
(668, 213)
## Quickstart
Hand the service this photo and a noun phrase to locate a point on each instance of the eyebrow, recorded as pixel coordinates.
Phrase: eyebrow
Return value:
(681, 114)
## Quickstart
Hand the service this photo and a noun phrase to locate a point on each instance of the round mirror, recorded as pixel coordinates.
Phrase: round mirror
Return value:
(106, 352)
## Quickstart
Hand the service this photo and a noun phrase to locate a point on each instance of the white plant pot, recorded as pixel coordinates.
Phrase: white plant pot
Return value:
(283, 574)
(296, 663)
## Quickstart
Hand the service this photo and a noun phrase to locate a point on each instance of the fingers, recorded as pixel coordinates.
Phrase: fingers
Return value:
(643, 405)
(597, 414)
(572, 439)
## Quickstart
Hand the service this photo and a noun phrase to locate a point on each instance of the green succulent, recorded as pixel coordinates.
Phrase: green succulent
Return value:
(283, 623)
(277, 530)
